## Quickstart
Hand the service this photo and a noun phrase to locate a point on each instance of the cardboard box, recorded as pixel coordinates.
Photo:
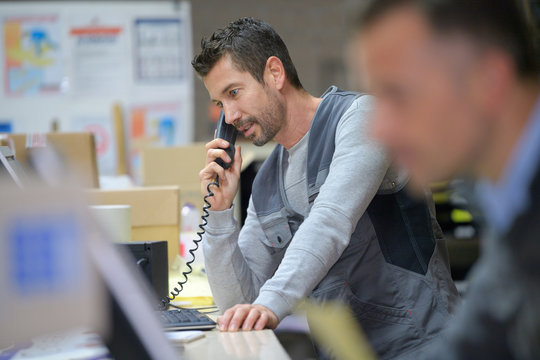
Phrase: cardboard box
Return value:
(181, 166)
(155, 212)
(78, 149)
(175, 166)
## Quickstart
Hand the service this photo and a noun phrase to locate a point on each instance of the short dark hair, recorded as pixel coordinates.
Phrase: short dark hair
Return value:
(249, 42)
(499, 23)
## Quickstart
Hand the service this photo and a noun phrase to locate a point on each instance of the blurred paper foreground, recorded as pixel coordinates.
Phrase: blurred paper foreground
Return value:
(59, 270)
(333, 325)
(47, 281)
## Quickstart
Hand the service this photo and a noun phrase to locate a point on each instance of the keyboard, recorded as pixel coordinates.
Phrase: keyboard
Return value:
(185, 319)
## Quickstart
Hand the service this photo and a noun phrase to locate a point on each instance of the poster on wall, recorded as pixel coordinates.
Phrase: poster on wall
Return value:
(99, 54)
(66, 62)
(101, 127)
(159, 50)
(32, 55)
(153, 124)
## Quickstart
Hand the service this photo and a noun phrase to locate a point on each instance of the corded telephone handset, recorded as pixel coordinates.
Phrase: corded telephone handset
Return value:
(226, 132)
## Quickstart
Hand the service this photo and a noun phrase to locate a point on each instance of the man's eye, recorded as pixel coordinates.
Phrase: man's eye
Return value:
(234, 92)
(219, 105)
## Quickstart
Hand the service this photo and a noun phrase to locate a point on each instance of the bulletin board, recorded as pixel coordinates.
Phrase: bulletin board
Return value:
(69, 62)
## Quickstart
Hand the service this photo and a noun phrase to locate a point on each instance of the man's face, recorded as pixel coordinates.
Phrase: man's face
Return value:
(426, 90)
(255, 110)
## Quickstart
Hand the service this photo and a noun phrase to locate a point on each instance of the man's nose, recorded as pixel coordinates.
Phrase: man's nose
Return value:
(232, 115)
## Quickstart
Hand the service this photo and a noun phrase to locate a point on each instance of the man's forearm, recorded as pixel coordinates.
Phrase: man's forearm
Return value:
(326, 232)
(220, 253)
(233, 278)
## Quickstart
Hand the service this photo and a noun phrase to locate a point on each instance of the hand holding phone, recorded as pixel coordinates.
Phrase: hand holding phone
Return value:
(218, 194)
(223, 162)
(226, 132)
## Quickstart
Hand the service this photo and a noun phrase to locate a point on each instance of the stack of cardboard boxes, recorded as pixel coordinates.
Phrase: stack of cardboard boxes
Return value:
(176, 166)
(169, 175)
(154, 212)
(78, 150)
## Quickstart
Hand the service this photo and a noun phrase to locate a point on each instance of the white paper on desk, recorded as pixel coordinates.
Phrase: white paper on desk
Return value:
(79, 344)
(183, 337)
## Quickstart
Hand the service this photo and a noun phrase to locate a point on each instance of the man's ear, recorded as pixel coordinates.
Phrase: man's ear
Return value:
(498, 73)
(274, 72)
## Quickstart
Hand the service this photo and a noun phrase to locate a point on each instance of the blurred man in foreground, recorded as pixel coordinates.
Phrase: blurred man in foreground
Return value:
(457, 87)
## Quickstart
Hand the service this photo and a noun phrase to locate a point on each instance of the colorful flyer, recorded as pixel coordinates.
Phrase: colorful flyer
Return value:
(33, 61)
(155, 124)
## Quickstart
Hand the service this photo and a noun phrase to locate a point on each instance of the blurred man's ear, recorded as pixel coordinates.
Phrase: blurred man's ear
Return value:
(497, 75)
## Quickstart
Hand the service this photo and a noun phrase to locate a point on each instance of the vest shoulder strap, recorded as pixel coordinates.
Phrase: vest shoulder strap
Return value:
(266, 193)
(323, 134)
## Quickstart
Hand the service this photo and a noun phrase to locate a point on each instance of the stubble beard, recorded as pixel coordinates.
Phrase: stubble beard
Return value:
(270, 121)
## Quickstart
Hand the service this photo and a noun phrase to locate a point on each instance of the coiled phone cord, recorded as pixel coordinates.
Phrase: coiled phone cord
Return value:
(166, 300)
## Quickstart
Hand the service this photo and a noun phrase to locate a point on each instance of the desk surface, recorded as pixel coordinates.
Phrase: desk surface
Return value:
(261, 344)
(80, 344)
(247, 345)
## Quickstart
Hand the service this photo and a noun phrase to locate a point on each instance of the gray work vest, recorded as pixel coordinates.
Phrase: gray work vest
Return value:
(391, 274)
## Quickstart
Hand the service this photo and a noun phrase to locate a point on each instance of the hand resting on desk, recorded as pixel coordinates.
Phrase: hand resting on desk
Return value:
(247, 317)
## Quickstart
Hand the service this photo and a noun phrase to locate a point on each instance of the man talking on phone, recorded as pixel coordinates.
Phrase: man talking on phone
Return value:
(327, 218)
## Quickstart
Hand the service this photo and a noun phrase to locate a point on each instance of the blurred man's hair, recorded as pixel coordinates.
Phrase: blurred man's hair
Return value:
(498, 23)
(249, 43)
